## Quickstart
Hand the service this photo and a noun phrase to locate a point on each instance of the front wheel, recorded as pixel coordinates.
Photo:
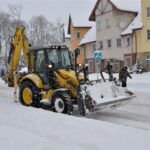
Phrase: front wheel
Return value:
(28, 94)
(61, 103)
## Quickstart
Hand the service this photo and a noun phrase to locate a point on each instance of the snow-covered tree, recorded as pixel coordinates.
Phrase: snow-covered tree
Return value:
(15, 12)
(43, 32)
(5, 31)
(137, 67)
(40, 29)
(60, 34)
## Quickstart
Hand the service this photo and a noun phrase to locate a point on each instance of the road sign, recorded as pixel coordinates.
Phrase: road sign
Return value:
(97, 55)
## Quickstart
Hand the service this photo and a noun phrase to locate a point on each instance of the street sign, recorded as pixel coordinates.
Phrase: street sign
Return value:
(97, 55)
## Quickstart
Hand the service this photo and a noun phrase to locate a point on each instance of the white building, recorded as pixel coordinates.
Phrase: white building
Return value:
(88, 45)
(112, 17)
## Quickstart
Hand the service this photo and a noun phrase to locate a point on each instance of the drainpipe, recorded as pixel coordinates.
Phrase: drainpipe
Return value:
(132, 41)
(135, 47)
(132, 48)
(84, 51)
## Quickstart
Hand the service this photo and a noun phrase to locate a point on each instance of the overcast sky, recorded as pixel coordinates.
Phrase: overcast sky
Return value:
(53, 9)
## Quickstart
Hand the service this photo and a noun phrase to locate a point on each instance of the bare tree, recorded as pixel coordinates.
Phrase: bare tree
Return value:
(40, 30)
(15, 12)
(8, 23)
(5, 24)
(60, 33)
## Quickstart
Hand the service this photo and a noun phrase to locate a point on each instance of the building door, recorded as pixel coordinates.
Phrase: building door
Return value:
(117, 66)
(91, 66)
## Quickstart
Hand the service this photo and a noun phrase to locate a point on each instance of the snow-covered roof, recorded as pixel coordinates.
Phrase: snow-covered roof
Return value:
(66, 32)
(82, 19)
(123, 5)
(90, 36)
(81, 22)
(135, 24)
(127, 5)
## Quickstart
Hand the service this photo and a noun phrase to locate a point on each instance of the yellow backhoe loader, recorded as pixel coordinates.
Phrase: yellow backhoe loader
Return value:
(51, 81)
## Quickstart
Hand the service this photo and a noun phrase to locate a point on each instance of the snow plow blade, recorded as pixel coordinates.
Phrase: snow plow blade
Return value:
(111, 104)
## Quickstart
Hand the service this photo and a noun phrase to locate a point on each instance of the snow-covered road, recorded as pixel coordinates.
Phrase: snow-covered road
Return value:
(135, 113)
(28, 128)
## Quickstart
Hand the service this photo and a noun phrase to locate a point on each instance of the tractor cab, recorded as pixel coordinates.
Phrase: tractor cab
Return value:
(44, 59)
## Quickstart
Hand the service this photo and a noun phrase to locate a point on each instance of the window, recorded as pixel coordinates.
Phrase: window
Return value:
(78, 35)
(31, 61)
(148, 12)
(59, 58)
(94, 47)
(118, 21)
(128, 62)
(118, 42)
(101, 45)
(40, 62)
(148, 34)
(109, 43)
(99, 26)
(116, 65)
(128, 41)
(107, 24)
(148, 61)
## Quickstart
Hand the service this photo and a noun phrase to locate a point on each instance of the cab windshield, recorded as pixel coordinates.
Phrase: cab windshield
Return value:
(59, 58)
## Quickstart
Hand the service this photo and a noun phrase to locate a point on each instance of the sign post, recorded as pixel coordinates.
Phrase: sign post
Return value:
(97, 55)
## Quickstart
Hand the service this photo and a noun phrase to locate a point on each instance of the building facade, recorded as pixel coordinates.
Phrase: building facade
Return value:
(88, 45)
(77, 32)
(142, 36)
(111, 20)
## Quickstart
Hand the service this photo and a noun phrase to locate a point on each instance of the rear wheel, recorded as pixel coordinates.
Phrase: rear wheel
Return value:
(29, 94)
(61, 103)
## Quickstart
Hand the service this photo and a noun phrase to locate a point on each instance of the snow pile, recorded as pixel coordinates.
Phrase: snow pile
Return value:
(33, 129)
(23, 70)
(140, 82)
(100, 95)
(103, 92)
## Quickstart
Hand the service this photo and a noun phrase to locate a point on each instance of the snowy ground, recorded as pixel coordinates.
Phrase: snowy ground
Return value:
(124, 128)
(133, 113)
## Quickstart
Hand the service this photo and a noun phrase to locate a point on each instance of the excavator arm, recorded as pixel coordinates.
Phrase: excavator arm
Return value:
(19, 43)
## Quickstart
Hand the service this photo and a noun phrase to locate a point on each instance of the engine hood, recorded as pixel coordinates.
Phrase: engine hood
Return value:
(69, 75)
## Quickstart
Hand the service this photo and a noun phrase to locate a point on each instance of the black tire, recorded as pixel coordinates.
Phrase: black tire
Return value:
(35, 93)
(81, 105)
(61, 103)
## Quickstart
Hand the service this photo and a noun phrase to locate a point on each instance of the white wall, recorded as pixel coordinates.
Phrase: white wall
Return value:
(109, 24)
